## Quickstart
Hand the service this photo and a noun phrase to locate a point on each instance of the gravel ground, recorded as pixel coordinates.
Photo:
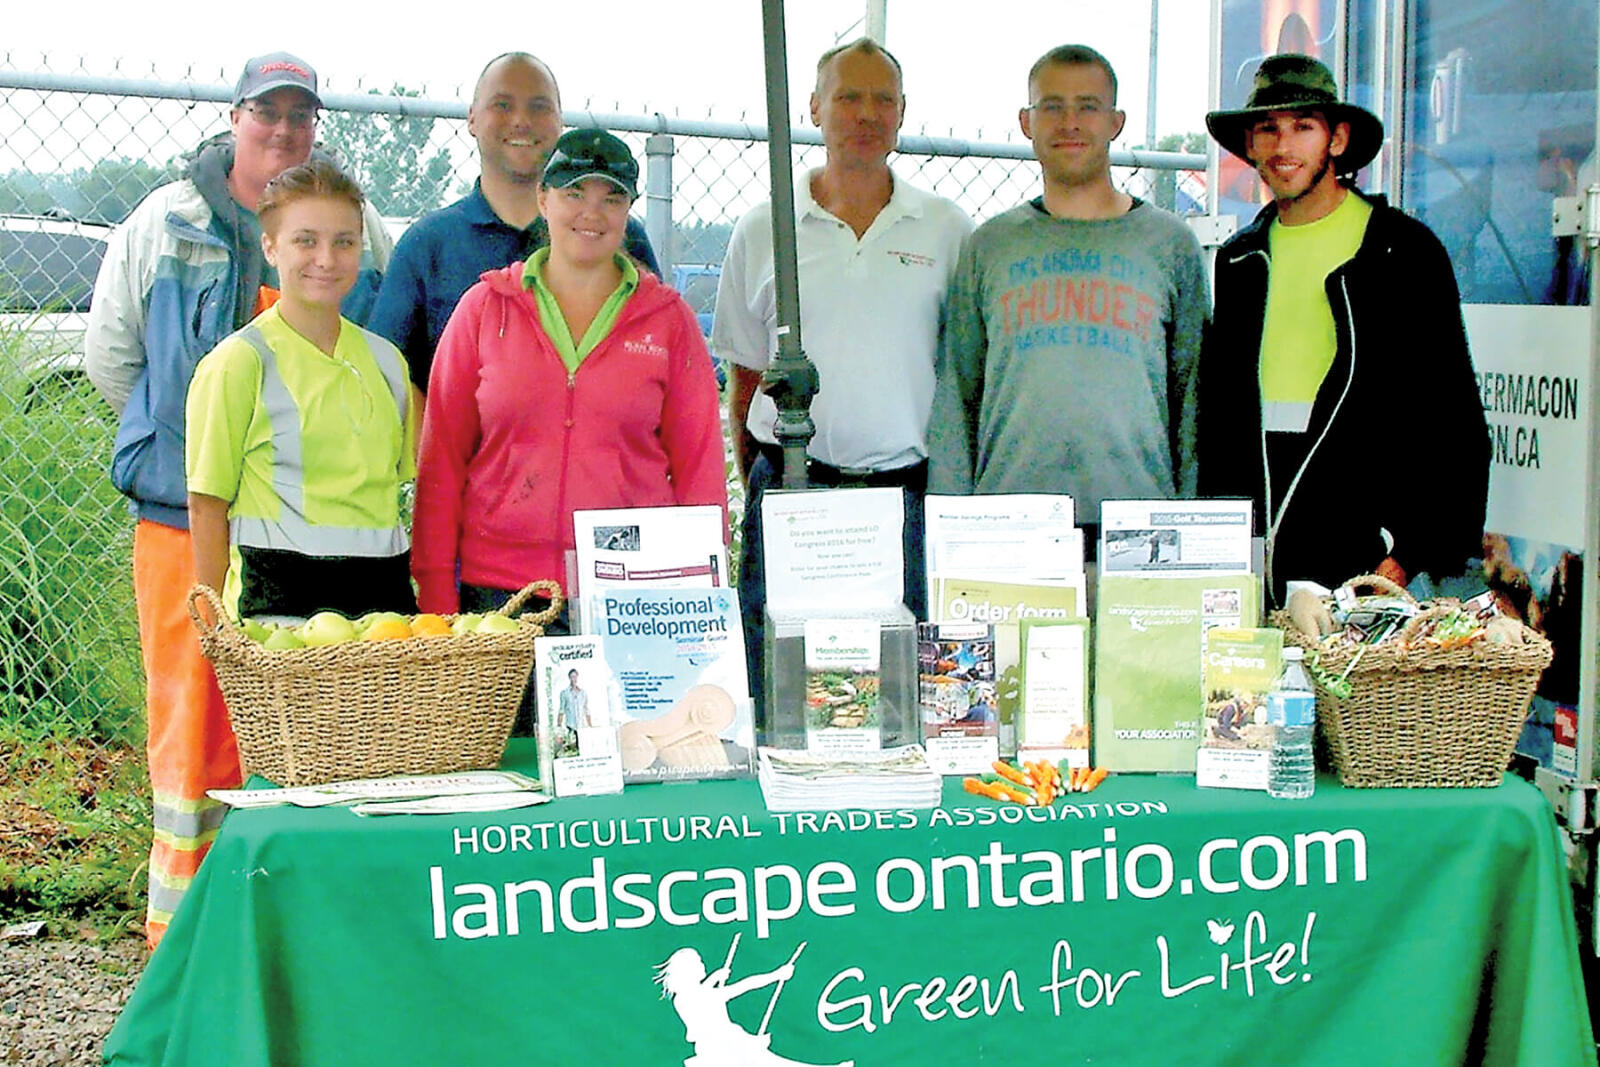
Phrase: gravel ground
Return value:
(58, 998)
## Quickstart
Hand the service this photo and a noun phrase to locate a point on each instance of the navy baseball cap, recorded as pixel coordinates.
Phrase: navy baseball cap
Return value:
(591, 153)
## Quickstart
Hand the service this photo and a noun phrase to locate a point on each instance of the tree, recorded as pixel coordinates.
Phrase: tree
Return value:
(1164, 184)
(112, 188)
(389, 155)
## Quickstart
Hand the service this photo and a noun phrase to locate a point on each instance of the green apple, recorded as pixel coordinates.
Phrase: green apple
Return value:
(255, 631)
(466, 624)
(281, 639)
(498, 624)
(327, 628)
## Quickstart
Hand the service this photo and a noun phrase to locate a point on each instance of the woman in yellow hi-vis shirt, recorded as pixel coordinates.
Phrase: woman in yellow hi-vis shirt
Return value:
(301, 428)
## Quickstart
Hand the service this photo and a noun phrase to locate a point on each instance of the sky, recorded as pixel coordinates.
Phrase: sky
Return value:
(965, 75)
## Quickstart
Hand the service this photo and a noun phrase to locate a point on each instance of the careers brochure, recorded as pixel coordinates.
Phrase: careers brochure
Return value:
(658, 548)
(1176, 538)
(678, 658)
(1238, 669)
(579, 708)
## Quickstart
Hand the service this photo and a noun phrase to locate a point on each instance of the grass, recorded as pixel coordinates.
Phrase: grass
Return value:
(74, 809)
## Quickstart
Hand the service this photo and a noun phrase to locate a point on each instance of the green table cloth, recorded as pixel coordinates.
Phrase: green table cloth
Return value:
(1147, 922)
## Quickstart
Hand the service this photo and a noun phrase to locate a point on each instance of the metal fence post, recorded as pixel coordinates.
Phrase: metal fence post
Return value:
(658, 149)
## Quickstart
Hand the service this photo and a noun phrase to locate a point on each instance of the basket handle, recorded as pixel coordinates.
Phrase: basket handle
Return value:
(216, 626)
(1414, 625)
(550, 589)
(1379, 583)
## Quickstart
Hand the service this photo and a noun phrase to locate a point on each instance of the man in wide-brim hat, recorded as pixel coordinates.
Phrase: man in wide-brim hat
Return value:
(1336, 315)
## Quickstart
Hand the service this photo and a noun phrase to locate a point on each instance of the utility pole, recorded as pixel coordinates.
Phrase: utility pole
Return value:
(1150, 91)
(877, 18)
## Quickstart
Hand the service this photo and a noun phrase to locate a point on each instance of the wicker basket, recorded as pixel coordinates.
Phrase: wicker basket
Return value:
(366, 709)
(1419, 716)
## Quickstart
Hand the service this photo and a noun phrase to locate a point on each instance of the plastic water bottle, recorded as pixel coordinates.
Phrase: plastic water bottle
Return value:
(1292, 711)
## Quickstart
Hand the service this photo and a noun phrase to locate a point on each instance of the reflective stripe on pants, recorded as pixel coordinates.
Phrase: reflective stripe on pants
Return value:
(190, 742)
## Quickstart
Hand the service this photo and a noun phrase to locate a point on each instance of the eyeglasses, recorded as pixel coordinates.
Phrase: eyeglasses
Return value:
(299, 117)
(1055, 109)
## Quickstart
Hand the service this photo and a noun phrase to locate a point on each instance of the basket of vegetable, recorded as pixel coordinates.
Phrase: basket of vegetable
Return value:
(377, 696)
(1437, 699)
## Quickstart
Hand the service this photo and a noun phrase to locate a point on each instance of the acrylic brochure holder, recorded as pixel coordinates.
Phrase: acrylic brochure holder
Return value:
(840, 644)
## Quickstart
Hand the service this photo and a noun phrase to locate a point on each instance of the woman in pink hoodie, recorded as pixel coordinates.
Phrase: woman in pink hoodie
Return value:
(570, 382)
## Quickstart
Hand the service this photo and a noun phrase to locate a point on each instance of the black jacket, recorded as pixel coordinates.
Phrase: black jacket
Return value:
(1399, 438)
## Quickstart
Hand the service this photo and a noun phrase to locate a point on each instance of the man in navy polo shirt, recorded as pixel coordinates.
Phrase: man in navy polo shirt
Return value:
(515, 117)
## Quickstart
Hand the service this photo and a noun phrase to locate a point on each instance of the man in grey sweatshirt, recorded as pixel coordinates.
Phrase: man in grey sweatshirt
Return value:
(1072, 335)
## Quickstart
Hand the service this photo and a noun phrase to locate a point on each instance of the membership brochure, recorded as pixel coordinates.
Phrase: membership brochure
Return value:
(579, 708)
(1176, 538)
(1054, 724)
(1147, 652)
(1020, 537)
(956, 696)
(844, 686)
(1238, 670)
(657, 548)
(828, 549)
(678, 656)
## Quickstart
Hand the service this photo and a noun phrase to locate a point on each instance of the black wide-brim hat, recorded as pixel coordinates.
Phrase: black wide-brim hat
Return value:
(1292, 82)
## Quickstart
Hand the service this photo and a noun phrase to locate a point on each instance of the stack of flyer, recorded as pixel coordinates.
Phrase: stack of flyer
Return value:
(1002, 562)
(655, 688)
(800, 780)
(1169, 572)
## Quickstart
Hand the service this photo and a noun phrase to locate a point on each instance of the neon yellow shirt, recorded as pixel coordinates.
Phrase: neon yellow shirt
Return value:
(357, 450)
(1298, 340)
(555, 325)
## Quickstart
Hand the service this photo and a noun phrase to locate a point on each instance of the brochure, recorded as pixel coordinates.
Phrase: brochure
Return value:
(956, 684)
(404, 787)
(1054, 723)
(1004, 605)
(1148, 634)
(579, 706)
(678, 657)
(832, 548)
(1177, 538)
(658, 548)
(843, 685)
(1021, 537)
(1239, 668)
(797, 780)
(456, 805)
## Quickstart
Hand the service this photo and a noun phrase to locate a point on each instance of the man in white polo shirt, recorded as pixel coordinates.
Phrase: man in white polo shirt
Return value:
(875, 257)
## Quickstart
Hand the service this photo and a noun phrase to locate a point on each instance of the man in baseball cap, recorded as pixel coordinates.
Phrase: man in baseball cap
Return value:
(183, 272)
(276, 70)
(1335, 315)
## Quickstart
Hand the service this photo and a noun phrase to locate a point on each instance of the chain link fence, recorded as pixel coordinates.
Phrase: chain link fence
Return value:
(79, 148)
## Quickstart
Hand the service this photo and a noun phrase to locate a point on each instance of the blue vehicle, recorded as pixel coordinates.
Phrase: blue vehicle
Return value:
(697, 283)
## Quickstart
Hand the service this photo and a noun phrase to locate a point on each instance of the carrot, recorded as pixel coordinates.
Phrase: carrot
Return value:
(1010, 772)
(983, 789)
(1016, 794)
(1095, 779)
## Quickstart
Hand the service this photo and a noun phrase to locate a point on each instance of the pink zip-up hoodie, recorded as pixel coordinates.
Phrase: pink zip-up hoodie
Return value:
(512, 444)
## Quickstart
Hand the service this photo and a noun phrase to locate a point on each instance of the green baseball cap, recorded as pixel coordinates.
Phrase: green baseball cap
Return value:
(1293, 82)
(591, 153)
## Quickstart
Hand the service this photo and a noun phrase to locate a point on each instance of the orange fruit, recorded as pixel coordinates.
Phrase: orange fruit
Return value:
(429, 625)
(388, 630)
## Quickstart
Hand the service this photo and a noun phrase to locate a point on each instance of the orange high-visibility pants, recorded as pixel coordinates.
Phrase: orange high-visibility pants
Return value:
(190, 743)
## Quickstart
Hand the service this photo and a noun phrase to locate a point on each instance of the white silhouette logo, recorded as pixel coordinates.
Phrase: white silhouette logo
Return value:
(701, 1001)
